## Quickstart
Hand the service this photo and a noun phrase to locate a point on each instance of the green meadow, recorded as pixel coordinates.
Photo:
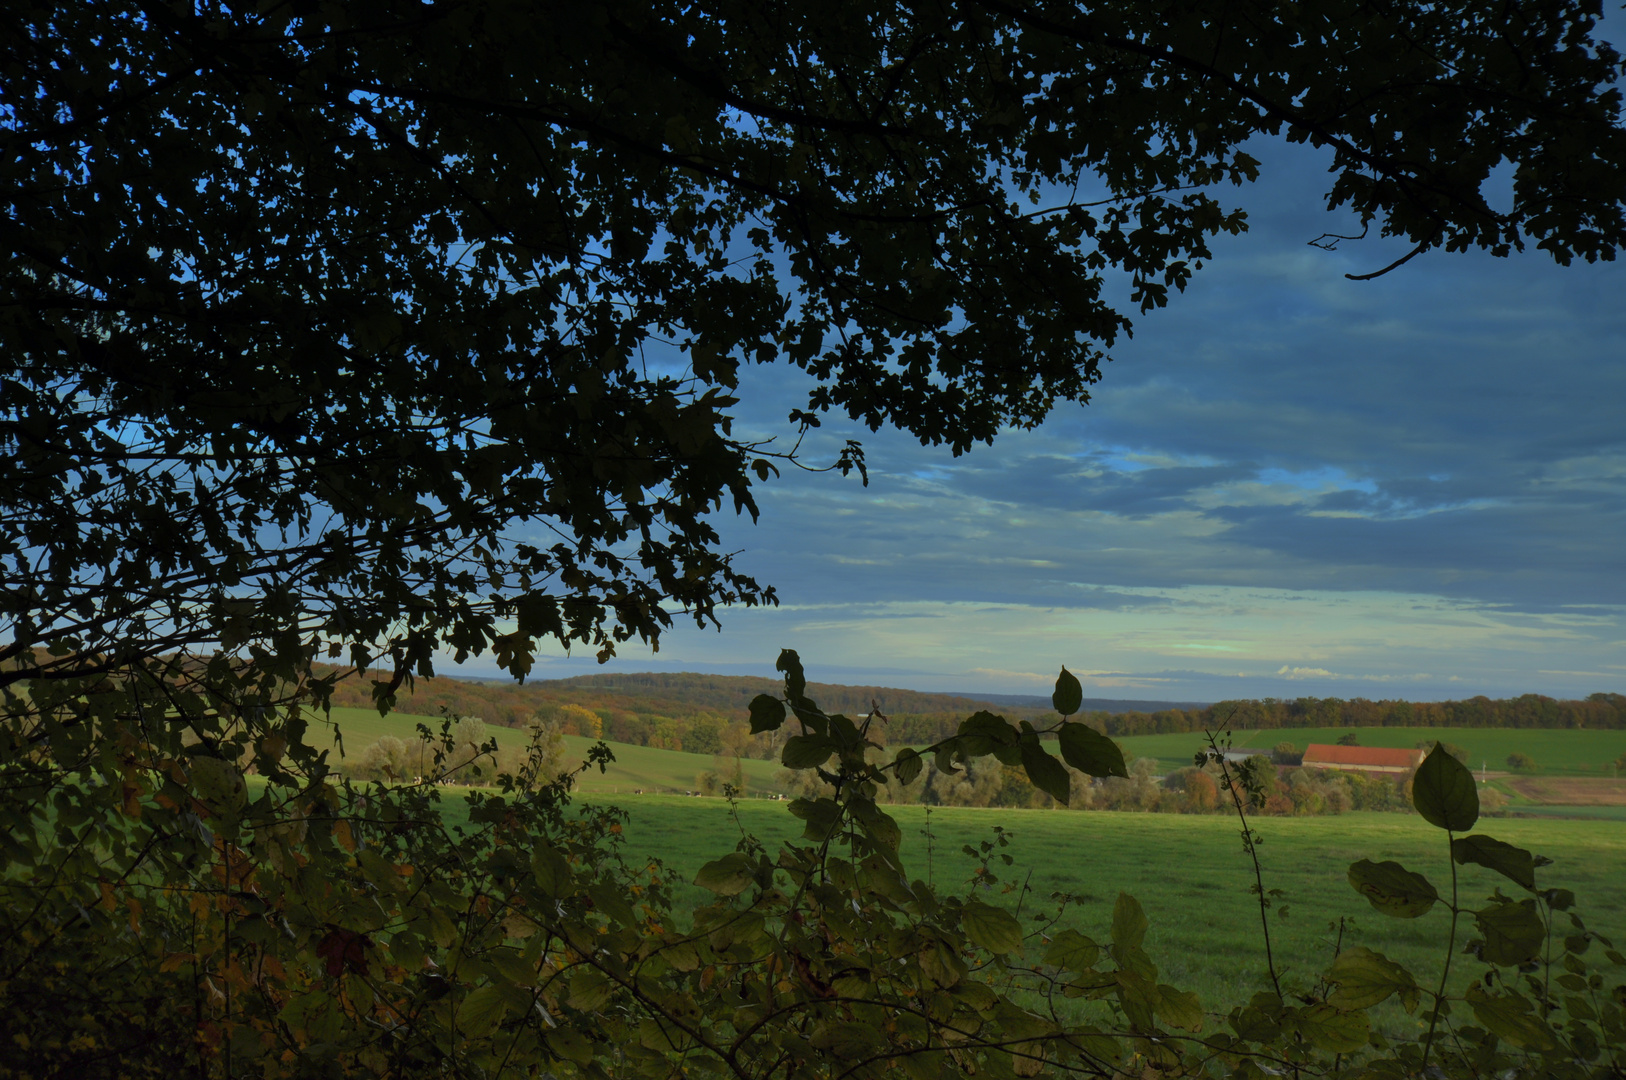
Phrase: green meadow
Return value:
(1561, 752)
(1188, 872)
(1566, 752)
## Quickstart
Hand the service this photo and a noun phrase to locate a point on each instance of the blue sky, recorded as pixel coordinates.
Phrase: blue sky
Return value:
(1287, 484)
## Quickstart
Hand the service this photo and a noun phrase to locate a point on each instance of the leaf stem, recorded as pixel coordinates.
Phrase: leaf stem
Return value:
(1450, 947)
(1251, 847)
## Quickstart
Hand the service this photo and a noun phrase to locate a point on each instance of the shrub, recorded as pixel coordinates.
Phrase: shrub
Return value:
(1286, 753)
(1521, 762)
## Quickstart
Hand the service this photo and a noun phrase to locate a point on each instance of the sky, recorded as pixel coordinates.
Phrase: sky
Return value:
(1288, 484)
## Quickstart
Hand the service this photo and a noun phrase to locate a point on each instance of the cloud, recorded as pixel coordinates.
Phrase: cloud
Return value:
(1287, 482)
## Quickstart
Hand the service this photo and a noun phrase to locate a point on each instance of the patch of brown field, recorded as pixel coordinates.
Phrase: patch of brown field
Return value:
(1571, 790)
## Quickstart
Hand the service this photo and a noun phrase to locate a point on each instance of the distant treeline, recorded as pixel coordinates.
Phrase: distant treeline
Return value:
(1603, 711)
(662, 709)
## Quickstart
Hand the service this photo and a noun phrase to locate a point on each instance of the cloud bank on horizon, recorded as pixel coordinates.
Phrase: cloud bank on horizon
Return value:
(1288, 484)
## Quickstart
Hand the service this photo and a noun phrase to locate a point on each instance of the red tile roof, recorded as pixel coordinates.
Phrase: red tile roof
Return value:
(1358, 756)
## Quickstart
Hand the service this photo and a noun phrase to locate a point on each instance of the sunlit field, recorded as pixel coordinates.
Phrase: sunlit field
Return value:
(1190, 874)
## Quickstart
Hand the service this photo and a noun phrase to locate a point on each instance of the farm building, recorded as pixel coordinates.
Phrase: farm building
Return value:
(1366, 759)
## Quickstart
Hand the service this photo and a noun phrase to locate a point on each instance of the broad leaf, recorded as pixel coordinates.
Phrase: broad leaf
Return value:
(767, 713)
(806, 751)
(1046, 772)
(1444, 792)
(1365, 978)
(1514, 863)
(1333, 1030)
(1068, 695)
(846, 1039)
(1513, 931)
(570, 1045)
(995, 929)
(1393, 889)
(1179, 1008)
(552, 872)
(590, 988)
(844, 732)
(1072, 951)
(877, 824)
(984, 733)
(728, 876)
(1128, 922)
(1091, 752)
(481, 1012)
(822, 815)
(1509, 1016)
(907, 765)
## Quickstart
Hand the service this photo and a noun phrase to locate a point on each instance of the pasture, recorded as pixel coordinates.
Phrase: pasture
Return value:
(1574, 766)
(1190, 874)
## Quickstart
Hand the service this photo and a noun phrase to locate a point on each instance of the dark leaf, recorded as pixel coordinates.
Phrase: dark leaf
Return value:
(1046, 772)
(1513, 931)
(1514, 863)
(767, 713)
(1088, 751)
(806, 751)
(1068, 695)
(1444, 792)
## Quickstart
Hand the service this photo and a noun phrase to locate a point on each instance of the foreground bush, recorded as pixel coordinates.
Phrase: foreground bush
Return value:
(167, 923)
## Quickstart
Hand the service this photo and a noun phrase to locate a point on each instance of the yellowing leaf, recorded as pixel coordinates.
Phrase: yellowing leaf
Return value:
(1393, 889)
(1179, 1008)
(1072, 951)
(995, 929)
(1128, 922)
(1365, 978)
(1508, 1016)
(1330, 1029)
(728, 876)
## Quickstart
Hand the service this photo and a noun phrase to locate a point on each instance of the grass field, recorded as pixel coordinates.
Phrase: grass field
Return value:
(1190, 874)
(1557, 753)
(635, 767)
(1590, 813)
(1579, 752)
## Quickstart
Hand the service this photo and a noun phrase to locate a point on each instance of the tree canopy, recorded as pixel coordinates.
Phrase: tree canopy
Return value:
(376, 328)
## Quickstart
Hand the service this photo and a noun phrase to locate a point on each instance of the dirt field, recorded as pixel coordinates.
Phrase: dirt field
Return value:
(1571, 790)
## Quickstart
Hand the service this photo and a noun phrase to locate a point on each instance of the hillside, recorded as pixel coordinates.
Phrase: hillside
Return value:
(671, 695)
(684, 711)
